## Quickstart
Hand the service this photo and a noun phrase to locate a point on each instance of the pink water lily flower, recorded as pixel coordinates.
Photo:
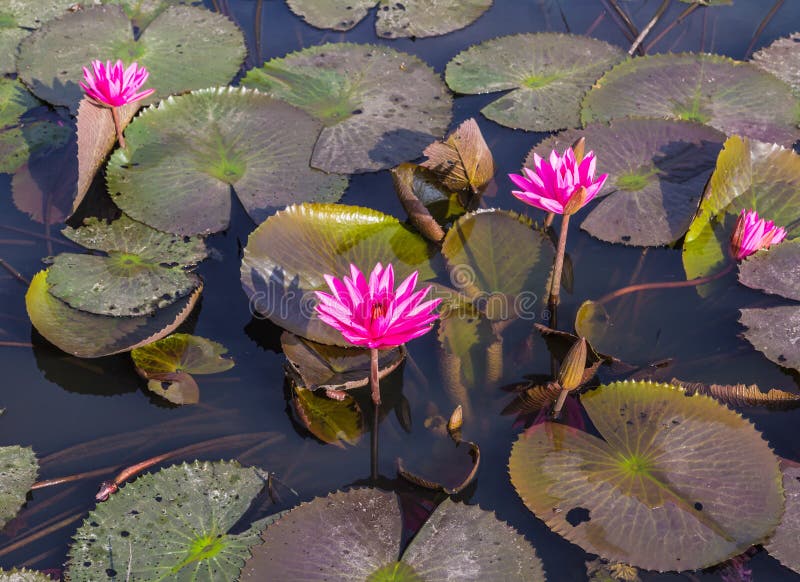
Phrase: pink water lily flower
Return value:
(373, 314)
(560, 184)
(753, 233)
(114, 85)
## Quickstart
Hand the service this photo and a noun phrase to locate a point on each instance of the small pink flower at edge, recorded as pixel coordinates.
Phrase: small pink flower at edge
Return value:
(552, 183)
(753, 233)
(373, 314)
(114, 85)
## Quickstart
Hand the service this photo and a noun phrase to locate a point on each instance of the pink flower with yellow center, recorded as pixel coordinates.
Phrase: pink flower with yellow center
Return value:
(753, 233)
(373, 314)
(561, 184)
(114, 85)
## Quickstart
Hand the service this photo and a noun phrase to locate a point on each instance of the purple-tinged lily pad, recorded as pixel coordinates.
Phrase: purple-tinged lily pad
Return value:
(678, 483)
(731, 96)
(782, 59)
(18, 18)
(775, 332)
(657, 172)
(785, 541)
(775, 271)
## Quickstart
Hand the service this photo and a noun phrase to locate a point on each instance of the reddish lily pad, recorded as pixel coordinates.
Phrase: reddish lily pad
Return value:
(731, 96)
(782, 59)
(775, 271)
(784, 542)
(679, 482)
(657, 172)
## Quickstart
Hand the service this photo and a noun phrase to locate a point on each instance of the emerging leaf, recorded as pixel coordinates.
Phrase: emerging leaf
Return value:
(463, 161)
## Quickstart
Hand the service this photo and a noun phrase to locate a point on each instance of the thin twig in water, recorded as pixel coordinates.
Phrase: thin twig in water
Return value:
(686, 12)
(646, 30)
(596, 22)
(65, 242)
(257, 30)
(626, 25)
(761, 27)
(14, 273)
(72, 478)
(40, 534)
(16, 344)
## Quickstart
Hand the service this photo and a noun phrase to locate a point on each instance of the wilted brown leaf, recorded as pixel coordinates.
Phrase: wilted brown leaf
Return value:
(463, 161)
(741, 394)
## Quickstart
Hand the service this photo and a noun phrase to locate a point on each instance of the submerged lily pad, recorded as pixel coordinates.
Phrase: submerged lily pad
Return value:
(172, 524)
(411, 18)
(731, 96)
(18, 469)
(784, 542)
(333, 421)
(87, 335)
(143, 271)
(288, 254)
(458, 542)
(378, 106)
(18, 18)
(184, 48)
(184, 156)
(782, 59)
(547, 72)
(773, 332)
(657, 172)
(679, 483)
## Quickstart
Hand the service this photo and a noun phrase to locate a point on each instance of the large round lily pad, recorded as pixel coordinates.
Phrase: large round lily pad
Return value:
(357, 536)
(657, 172)
(87, 335)
(731, 96)
(287, 256)
(143, 271)
(184, 156)
(784, 542)
(773, 332)
(18, 469)
(776, 271)
(379, 107)
(17, 19)
(547, 74)
(679, 482)
(184, 48)
(172, 524)
(782, 59)
(414, 18)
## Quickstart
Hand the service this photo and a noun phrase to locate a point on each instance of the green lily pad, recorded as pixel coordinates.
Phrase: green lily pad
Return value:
(333, 421)
(18, 469)
(143, 271)
(773, 332)
(184, 156)
(547, 74)
(288, 254)
(87, 335)
(782, 59)
(784, 542)
(458, 542)
(748, 175)
(679, 483)
(18, 18)
(731, 96)
(184, 48)
(23, 575)
(177, 387)
(378, 106)
(412, 18)
(172, 524)
(182, 352)
(657, 170)
(776, 271)
(142, 12)
(498, 260)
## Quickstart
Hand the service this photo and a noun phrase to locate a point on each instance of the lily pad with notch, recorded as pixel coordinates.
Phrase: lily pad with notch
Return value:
(675, 483)
(378, 107)
(287, 256)
(184, 157)
(731, 96)
(547, 74)
(174, 524)
(447, 466)
(657, 171)
(457, 542)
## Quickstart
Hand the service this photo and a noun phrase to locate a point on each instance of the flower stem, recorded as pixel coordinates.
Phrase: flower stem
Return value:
(118, 126)
(664, 285)
(558, 266)
(562, 397)
(376, 403)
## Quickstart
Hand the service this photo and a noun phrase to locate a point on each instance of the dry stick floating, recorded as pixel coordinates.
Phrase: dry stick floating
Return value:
(15, 344)
(63, 241)
(761, 28)
(646, 30)
(686, 12)
(14, 273)
(257, 30)
(596, 22)
(627, 27)
(73, 478)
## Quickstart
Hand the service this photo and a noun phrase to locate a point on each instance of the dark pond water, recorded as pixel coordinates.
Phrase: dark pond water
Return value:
(82, 415)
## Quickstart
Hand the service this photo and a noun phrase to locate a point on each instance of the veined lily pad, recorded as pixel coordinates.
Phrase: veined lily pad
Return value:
(412, 18)
(182, 352)
(494, 257)
(172, 524)
(379, 107)
(18, 18)
(18, 469)
(332, 420)
(547, 72)
(184, 48)
(184, 156)
(748, 175)
(679, 482)
(784, 542)
(142, 12)
(657, 172)
(773, 332)
(24, 575)
(782, 59)
(87, 335)
(288, 254)
(458, 542)
(776, 271)
(731, 96)
(740, 395)
(144, 270)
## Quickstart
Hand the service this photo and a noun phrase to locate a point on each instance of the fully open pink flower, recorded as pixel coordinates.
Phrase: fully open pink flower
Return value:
(553, 183)
(372, 314)
(753, 233)
(114, 85)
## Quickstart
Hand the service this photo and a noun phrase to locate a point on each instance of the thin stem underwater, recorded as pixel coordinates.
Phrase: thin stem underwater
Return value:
(558, 265)
(376, 403)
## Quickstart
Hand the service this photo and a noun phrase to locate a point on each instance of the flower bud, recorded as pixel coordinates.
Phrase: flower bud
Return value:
(570, 375)
(578, 148)
(576, 201)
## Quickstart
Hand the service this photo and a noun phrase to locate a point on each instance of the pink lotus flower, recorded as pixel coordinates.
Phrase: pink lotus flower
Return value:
(560, 185)
(114, 85)
(373, 314)
(753, 233)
